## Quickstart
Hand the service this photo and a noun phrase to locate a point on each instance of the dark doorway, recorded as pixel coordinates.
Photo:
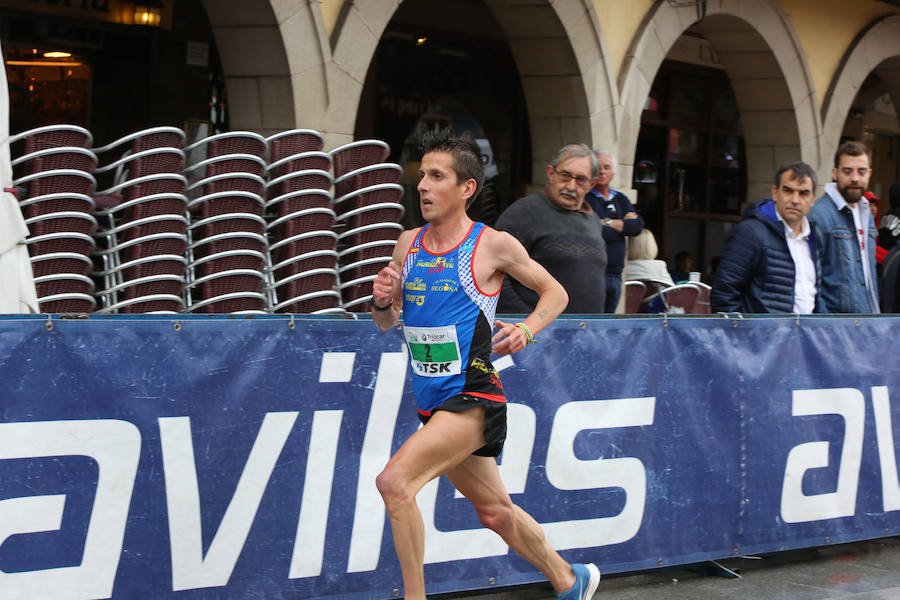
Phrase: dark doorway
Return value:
(446, 64)
(690, 168)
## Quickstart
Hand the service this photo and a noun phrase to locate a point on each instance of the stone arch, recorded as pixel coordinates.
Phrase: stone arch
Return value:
(558, 48)
(283, 71)
(873, 50)
(760, 51)
(256, 64)
(555, 46)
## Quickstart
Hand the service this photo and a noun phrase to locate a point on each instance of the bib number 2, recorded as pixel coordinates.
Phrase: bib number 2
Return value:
(433, 351)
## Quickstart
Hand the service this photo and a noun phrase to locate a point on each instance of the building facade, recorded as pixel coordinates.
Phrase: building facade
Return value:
(700, 100)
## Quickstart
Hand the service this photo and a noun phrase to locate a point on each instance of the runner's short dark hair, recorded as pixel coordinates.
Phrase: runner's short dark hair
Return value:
(468, 162)
(851, 148)
(799, 172)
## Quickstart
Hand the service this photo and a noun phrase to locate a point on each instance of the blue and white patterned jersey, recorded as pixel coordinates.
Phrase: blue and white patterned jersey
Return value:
(447, 323)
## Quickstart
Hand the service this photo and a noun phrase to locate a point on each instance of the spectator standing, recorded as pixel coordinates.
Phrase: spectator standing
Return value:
(619, 221)
(562, 233)
(846, 233)
(769, 261)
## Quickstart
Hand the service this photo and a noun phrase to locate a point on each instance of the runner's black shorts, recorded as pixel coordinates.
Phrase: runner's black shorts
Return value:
(494, 420)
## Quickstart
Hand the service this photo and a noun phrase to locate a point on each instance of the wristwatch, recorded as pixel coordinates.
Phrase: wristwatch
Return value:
(607, 221)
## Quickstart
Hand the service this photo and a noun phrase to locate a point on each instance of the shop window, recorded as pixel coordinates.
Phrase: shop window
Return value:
(46, 87)
(696, 146)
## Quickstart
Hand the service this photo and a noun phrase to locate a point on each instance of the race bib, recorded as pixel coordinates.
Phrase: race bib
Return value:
(433, 351)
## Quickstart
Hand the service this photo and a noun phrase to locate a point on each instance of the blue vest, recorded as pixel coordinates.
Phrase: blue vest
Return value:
(447, 320)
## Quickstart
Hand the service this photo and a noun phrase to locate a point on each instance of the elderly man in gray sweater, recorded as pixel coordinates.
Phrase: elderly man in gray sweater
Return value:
(562, 233)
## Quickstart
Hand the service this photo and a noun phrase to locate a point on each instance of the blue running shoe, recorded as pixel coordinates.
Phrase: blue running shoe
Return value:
(587, 578)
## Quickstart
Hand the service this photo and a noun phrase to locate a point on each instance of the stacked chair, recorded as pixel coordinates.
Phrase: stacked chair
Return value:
(53, 172)
(303, 244)
(234, 223)
(142, 235)
(367, 210)
(227, 251)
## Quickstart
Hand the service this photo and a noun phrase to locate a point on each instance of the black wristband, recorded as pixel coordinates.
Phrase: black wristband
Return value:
(382, 308)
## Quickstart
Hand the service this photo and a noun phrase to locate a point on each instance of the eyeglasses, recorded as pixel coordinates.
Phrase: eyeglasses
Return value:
(566, 177)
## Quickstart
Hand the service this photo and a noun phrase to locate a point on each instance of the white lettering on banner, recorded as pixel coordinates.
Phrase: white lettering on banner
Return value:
(116, 447)
(884, 432)
(796, 506)
(309, 544)
(368, 517)
(190, 569)
(442, 546)
(567, 472)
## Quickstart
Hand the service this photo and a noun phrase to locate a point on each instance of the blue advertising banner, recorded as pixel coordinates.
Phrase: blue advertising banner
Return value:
(232, 457)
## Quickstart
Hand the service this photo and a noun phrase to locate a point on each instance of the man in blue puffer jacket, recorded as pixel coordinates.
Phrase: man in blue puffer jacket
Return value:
(770, 264)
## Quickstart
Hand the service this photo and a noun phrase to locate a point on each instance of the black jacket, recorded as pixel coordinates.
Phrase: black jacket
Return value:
(756, 272)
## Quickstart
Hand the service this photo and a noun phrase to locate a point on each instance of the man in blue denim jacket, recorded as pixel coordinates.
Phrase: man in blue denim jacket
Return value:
(846, 233)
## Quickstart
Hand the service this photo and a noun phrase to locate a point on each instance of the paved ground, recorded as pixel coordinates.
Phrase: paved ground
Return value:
(858, 571)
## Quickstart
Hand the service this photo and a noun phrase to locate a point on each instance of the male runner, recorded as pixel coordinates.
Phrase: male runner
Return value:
(447, 276)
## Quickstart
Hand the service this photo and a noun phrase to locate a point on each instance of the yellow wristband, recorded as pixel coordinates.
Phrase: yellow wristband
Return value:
(529, 339)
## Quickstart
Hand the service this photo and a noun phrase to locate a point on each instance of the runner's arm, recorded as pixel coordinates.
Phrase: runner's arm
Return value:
(386, 288)
(512, 259)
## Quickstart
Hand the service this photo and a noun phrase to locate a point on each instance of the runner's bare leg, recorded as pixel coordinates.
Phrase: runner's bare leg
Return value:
(478, 479)
(444, 442)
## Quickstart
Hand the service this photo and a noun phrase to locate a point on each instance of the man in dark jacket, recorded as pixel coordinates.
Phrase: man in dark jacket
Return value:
(769, 263)
(619, 220)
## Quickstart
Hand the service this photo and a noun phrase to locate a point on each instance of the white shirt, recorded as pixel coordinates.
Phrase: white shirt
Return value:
(804, 267)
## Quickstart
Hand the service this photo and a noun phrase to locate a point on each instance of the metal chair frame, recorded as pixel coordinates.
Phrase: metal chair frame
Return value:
(74, 296)
(142, 299)
(350, 148)
(273, 168)
(274, 183)
(275, 141)
(23, 204)
(229, 135)
(120, 187)
(37, 155)
(325, 194)
(131, 137)
(303, 236)
(213, 179)
(372, 207)
(89, 139)
(378, 187)
(203, 164)
(299, 214)
(30, 179)
(308, 296)
(194, 203)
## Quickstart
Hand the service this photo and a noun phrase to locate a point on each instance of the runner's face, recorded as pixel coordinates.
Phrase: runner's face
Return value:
(439, 193)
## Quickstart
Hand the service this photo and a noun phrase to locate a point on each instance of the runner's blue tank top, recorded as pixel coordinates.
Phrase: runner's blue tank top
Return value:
(447, 323)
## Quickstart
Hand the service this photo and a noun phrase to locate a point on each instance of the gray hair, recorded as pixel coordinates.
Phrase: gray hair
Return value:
(611, 155)
(570, 151)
